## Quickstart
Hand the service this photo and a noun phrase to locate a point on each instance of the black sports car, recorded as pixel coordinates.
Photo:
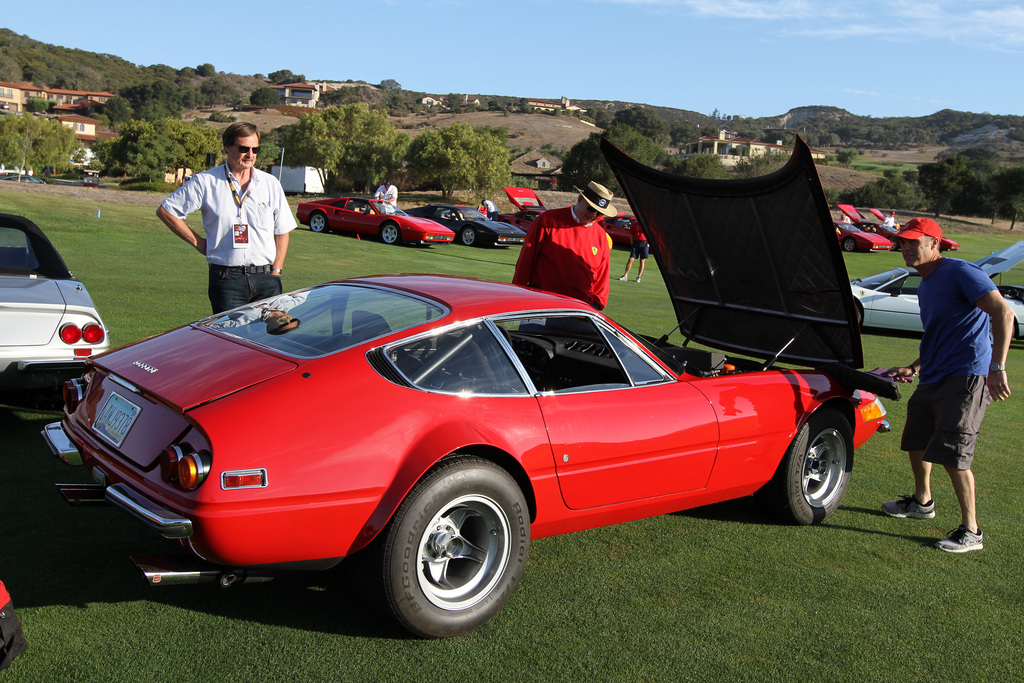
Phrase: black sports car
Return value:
(470, 226)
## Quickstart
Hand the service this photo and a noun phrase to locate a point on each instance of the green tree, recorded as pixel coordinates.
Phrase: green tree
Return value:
(37, 104)
(284, 76)
(1008, 193)
(645, 121)
(845, 157)
(206, 70)
(192, 142)
(584, 162)
(117, 110)
(943, 181)
(461, 157)
(700, 166)
(683, 132)
(348, 141)
(33, 143)
(264, 97)
(892, 192)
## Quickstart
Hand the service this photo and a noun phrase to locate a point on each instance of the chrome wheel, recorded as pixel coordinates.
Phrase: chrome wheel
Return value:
(468, 236)
(463, 552)
(824, 468)
(318, 222)
(390, 234)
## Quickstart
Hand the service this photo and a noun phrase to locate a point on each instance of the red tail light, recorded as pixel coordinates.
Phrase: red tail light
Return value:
(93, 333)
(70, 334)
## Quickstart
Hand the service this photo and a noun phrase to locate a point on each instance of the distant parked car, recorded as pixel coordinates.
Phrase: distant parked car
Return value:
(48, 323)
(14, 177)
(852, 239)
(91, 180)
(520, 219)
(889, 300)
(618, 228)
(528, 206)
(371, 217)
(470, 226)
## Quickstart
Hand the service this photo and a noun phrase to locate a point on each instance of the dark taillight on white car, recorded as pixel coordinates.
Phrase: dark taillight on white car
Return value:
(184, 467)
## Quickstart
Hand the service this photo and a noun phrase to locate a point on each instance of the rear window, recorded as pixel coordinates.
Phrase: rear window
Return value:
(325, 319)
(15, 250)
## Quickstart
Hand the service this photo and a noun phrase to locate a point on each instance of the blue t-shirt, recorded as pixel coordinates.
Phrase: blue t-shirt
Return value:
(957, 339)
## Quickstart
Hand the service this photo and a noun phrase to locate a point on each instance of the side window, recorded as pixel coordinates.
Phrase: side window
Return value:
(639, 370)
(466, 360)
(910, 285)
(564, 353)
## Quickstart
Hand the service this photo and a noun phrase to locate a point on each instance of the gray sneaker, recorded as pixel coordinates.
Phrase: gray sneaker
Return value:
(623, 278)
(960, 540)
(638, 279)
(907, 506)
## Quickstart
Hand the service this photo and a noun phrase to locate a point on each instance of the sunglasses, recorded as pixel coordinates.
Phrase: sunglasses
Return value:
(246, 150)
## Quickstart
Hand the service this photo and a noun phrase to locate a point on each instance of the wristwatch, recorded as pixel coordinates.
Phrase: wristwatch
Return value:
(997, 367)
(276, 271)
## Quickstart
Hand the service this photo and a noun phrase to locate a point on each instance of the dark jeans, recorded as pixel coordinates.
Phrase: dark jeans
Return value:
(232, 288)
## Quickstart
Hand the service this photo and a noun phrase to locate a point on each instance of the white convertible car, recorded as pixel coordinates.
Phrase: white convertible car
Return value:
(48, 324)
(889, 300)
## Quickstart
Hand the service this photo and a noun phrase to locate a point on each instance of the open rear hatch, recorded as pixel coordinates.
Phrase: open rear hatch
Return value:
(524, 198)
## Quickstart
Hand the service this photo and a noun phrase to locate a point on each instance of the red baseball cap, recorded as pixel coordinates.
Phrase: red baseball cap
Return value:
(920, 227)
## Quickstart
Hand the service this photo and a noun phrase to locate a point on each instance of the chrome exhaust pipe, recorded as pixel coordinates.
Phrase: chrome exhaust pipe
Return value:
(174, 571)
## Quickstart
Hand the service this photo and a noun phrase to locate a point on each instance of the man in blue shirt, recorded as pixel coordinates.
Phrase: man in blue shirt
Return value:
(962, 367)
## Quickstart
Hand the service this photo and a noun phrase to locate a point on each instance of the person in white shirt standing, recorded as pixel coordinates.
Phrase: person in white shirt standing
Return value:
(387, 193)
(246, 222)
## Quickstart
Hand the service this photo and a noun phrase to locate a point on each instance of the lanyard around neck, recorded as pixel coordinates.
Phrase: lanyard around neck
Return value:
(234, 194)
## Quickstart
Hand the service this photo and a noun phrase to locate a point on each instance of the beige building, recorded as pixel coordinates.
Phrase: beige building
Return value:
(301, 94)
(731, 148)
(14, 97)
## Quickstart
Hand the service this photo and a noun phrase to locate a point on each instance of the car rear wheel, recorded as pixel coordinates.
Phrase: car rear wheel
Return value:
(390, 233)
(849, 244)
(318, 222)
(468, 236)
(814, 473)
(455, 549)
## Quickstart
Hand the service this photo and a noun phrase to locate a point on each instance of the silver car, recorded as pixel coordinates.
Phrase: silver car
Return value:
(48, 323)
(889, 300)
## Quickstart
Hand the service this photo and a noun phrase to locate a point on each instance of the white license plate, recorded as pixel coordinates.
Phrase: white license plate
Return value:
(116, 418)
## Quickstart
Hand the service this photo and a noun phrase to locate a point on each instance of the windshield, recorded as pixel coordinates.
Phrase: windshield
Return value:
(386, 209)
(880, 280)
(324, 319)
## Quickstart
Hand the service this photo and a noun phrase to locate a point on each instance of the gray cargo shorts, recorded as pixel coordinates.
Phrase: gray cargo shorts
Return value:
(943, 420)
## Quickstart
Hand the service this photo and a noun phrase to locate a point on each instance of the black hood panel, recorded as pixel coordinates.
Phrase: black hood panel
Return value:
(751, 265)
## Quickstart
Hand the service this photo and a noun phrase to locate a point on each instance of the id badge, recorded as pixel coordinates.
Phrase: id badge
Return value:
(240, 235)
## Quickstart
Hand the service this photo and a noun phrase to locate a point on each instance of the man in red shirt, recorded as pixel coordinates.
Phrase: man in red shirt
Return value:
(566, 250)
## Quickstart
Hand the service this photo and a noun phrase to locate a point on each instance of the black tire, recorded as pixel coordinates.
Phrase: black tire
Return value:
(814, 474)
(318, 221)
(849, 244)
(390, 233)
(455, 549)
(467, 236)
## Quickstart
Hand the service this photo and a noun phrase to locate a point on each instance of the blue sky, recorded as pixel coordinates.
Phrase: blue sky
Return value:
(740, 57)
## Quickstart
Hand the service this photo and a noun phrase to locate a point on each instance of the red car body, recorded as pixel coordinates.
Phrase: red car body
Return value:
(451, 420)
(853, 239)
(618, 228)
(371, 217)
(529, 204)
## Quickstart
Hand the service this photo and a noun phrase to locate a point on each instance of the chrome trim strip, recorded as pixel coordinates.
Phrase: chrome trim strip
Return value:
(124, 383)
(152, 515)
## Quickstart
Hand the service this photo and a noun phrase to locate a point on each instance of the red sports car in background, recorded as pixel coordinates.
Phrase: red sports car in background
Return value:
(528, 204)
(618, 228)
(447, 422)
(852, 238)
(371, 217)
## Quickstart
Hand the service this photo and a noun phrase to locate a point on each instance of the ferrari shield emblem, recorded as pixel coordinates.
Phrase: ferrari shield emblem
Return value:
(594, 249)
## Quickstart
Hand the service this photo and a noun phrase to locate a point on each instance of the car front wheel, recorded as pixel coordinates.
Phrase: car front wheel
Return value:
(318, 222)
(455, 549)
(467, 236)
(390, 233)
(849, 244)
(812, 478)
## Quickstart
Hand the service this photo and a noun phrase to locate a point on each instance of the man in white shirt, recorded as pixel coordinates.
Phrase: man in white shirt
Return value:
(246, 221)
(890, 220)
(387, 193)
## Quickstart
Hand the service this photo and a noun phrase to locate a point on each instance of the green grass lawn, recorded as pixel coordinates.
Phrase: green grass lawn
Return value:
(716, 593)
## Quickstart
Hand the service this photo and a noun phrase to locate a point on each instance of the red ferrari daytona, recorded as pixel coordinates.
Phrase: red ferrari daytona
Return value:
(447, 422)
